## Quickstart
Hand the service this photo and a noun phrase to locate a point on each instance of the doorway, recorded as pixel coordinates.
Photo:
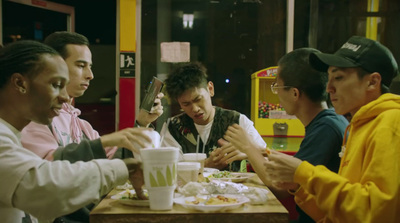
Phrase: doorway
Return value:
(33, 19)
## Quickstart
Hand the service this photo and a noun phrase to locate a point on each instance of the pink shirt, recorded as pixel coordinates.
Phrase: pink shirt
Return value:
(66, 128)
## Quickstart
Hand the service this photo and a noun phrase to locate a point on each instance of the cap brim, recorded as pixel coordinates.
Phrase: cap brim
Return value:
(322, 61)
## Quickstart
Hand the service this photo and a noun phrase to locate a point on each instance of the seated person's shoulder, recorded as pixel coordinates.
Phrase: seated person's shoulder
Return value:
(35, 127)
(332, 120)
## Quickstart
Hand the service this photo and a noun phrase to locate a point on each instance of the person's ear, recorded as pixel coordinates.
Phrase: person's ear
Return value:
(19, 82)
(375, 80)
(295, 93)
(210, 86)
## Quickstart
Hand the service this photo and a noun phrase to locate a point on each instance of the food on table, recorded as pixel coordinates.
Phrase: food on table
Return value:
(221, 174)
(131, 194)
(221, 200)
(218, 200)
(236, 177)
(197, 200)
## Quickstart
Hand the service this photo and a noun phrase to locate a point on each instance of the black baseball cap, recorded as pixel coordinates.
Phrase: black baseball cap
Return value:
(361, 52)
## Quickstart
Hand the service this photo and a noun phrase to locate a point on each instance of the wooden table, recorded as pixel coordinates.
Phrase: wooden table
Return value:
(111, 211)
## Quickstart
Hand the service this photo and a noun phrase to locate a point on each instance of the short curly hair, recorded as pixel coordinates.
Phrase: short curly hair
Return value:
(184, 77)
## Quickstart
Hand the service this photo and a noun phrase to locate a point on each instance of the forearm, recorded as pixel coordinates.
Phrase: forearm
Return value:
(62, 187)
(257, 161)
(86, 150)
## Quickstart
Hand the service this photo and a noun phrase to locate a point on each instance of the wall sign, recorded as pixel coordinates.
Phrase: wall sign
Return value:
(127, 64)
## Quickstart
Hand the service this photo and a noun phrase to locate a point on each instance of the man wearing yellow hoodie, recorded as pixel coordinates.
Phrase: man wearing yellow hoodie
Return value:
(367, 186)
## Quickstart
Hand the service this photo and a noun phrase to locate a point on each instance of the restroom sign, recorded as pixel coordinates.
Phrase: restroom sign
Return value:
(127, 64)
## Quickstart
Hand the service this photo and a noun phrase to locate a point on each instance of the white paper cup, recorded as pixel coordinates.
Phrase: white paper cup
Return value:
(196, 157)
(161, 199)
(187, 172)
(155, 143)
(160, 172)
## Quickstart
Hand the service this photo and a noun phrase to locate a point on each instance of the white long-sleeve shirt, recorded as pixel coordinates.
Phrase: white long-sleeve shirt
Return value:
(45, 189)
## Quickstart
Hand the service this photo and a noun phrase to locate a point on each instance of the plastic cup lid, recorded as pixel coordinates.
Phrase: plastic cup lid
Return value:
(188, 166)
(194, 156)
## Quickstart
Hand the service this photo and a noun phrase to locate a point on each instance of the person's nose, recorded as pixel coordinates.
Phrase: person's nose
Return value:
(89, 74)
(195, 108)
(329, 87)
(64, 97)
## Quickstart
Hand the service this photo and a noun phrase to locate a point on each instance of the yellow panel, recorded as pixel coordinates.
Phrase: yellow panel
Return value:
(127, 18)
(372, 22)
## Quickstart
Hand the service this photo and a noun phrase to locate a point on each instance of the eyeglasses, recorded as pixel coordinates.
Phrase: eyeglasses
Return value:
(274, 87)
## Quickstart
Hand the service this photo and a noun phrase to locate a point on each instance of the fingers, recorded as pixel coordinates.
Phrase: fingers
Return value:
(215, 159)
(157, 100)
(160, 95)
(216, 155)
(234, 129)
(281, 167)
(157, 110)
(219, 154)
(130, 138)
(269, 165)
(140, 194)
(234, 134)
(135, 138)
(222, 142)
(273, 155)
(216, 152)
(157, 107)
(230, 157)
(137, 181)
(228, 153)
(138, 135)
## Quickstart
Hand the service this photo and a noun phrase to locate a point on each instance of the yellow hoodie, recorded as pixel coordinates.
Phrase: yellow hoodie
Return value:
(367, 187)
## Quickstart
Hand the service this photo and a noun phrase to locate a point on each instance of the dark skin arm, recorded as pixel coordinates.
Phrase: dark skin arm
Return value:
(136, 176)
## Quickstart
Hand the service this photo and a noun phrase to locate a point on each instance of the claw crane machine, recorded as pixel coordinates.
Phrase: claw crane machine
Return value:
(280, 131)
